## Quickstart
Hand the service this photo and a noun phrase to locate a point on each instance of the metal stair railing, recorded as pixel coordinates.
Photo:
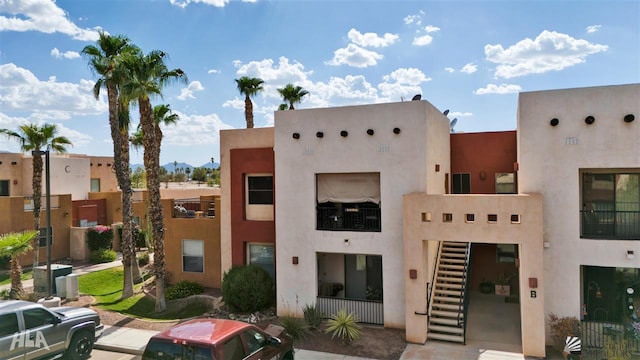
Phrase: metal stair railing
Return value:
(433, 280)
(465, 293)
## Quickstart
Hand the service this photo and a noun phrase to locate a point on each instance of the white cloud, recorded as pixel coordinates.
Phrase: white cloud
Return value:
(182, 133)
(469, 68)
(423, 40)
(213, 71)
(459, 114)
(593, 28)
(449, 69)
(549, 51)
(371, 39)
(402, 83)
(282, 73)
(67, 54)
(236, 103)
(20, 90)
(498, 89)
(189, 90)
(354, 56)
(183, 3)
(414, 19)
(430, 29)
(43, 16)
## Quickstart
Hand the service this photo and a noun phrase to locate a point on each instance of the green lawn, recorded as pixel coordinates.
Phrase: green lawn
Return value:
(5, 279)
(106, 287)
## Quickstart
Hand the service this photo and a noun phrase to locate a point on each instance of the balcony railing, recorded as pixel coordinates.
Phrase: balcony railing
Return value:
(366, 311)
(28, 202)
(349, 219)
(611, 224)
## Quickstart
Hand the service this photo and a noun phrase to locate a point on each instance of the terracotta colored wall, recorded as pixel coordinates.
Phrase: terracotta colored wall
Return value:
(488, 153)
(101, 215)
(485, 266)
(248, 161)
(178, 229)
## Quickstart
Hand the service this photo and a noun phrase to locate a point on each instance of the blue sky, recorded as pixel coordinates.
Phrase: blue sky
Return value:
(471, 57)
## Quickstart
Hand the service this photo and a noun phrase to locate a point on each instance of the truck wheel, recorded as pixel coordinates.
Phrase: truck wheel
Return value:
(80, 346)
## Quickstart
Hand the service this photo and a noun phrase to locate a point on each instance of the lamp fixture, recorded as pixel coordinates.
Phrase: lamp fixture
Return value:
(598, 293)
(589, 120)
(629, 118)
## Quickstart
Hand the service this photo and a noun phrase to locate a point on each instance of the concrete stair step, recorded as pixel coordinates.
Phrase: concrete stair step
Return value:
(455, 243)
(451, 261)
(451, 266)
(447, 299)
(442, 306)
(446, 329)
(442, 292)
(448, 279)
(453, 255)
(445, 314)
(444, 337)
(443, 321)
(453, 249)
(451, 273)
(448, 285)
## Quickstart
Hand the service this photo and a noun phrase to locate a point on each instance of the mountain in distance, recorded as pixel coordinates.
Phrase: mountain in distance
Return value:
(171, 167)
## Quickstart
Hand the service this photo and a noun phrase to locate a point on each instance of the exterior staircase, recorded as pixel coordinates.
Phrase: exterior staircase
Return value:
(447, 301)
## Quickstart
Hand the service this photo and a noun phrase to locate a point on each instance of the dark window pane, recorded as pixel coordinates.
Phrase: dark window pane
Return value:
(233, 349)
(4, 187)
(8, 324)
(36, 317)
(260, 190)
(161, 350)
(192, 264)
(461, 183)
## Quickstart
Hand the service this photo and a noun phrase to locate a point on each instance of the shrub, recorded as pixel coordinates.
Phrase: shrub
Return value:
(102, 256)
(313, 316)
(295, 327)
(100, 237)
(562, 327)
(345, 326)
(143, 259)
(247, 289)
(184, 289)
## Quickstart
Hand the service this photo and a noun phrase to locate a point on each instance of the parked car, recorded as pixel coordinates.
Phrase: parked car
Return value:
(219, 339)
(31, 331)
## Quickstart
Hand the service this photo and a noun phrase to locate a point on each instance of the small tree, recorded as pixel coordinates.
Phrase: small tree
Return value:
(14, 245)
(247, 289)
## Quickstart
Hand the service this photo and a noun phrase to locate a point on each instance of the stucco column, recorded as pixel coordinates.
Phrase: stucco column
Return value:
(532, 308)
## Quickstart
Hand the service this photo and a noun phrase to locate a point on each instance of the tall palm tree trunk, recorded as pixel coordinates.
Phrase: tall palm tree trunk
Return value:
(127, 207)
(151, 164)
(248, 111)
(36, 183)
(122, 175)
(16, 273)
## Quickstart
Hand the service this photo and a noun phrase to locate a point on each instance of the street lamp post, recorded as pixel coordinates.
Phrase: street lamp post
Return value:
(48, 209)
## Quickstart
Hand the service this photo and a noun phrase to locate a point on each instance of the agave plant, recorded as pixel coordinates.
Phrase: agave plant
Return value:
(345, 326)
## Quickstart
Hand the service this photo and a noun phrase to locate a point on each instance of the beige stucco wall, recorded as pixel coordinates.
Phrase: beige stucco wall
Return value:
(420, 250)
(550, 159)
(11, 169)
(405, 161)
(234, 139)
(101, 167)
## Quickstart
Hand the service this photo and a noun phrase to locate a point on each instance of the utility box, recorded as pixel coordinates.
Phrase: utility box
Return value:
(40, 277)
(72, 287)
(61, 286)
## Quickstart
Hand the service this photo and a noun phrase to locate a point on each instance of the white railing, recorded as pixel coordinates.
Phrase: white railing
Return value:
(370, 312)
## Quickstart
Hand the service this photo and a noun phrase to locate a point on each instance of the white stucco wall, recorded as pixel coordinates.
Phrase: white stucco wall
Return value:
(550, 159)
(69, 175)
(405, 161)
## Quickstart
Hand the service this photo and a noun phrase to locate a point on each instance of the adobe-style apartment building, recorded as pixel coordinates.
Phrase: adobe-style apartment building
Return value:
(379, 210)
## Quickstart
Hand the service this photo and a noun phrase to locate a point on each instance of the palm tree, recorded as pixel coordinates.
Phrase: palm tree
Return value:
(13, 245)
(249, 87)
(292, 94)
(34, 139)
(149, 74)
(106, 59)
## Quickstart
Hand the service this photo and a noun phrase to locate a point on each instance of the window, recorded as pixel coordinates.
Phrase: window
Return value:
(262, 255)
(260, 190)
(8, 324)
(255, 340)
(193, 256)
(610, 294)
(4, 187)
(505, 183)
(34, 318)
(610, 205)
(348, 202)
(233, 349)
(363, 277)
(95, 185)
(461, 184)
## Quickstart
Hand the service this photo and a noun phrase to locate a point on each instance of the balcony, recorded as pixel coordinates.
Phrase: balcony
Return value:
(193, 208)
(352, 218)
(610, 224)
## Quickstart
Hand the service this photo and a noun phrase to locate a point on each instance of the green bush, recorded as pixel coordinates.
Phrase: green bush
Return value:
(295, 327)
(100, 237)
(102, 256)
(139, 236)
(345, 326)
(143, 259)
(183, 289)
(313, 316)
(247, 289)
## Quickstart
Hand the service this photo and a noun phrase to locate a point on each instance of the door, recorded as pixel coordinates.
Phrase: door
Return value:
(42, 335)
(10, 347)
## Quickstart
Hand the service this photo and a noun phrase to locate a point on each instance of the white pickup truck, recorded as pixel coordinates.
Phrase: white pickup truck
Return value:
(31, 331)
